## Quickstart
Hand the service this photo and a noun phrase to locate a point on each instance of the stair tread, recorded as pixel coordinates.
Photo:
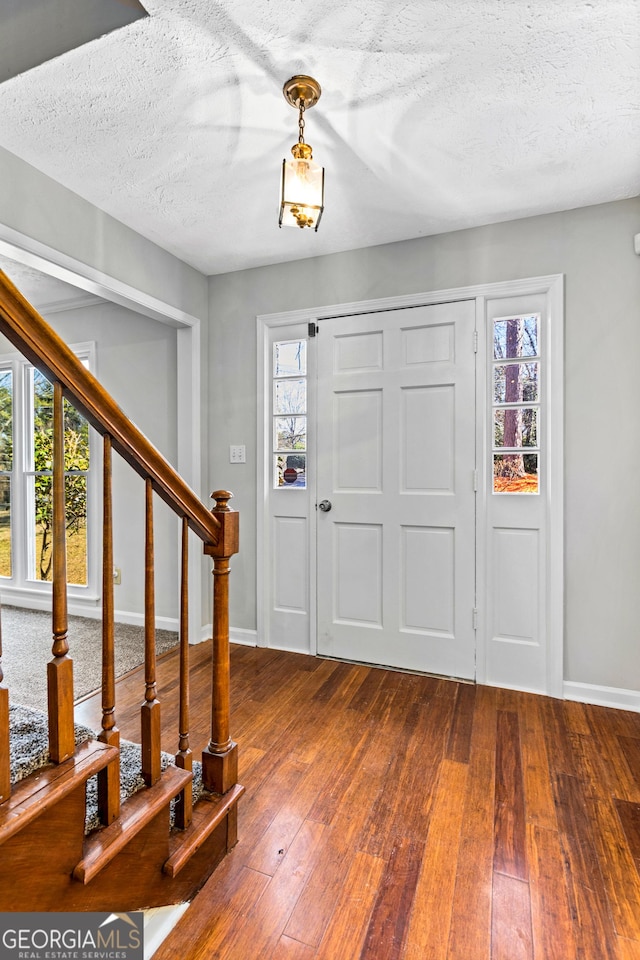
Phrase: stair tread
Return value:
(210, 811)
(40, 791)
(136, 813)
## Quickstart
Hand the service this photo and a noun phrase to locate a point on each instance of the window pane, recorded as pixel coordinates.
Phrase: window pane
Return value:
(43, 527)
(516, 427)
(515, 473)
(42, 422)
(290, 358)
(76, 439)
(513, 338)
(76, 429)
(290, 471)
(76, 516)
(6, 420)
(514, 382)
(290, 433)
(5, 526)
(76, 527)
(290, 396)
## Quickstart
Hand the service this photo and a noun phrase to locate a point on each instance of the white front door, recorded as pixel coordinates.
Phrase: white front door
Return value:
(395, 476)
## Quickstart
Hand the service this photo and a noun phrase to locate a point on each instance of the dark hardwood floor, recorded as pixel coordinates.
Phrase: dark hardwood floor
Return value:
(394, 816)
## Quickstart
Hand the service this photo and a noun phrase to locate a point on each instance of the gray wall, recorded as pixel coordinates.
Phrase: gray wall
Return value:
(593, 248)
(136, 363)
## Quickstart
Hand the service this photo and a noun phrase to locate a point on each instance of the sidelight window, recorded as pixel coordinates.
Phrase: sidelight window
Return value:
(515, 384)
(289, 414)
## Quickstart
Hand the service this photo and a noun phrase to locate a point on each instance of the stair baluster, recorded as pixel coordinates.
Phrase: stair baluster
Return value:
(184, 756)
(220, 758)
(150, 711)
(60, 669)
(5, 762)
(109, 777)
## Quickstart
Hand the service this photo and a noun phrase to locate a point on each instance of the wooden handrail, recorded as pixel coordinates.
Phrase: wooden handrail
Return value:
(31, 335)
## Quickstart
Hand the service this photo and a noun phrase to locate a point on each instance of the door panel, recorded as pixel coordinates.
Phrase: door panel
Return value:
(396, 458)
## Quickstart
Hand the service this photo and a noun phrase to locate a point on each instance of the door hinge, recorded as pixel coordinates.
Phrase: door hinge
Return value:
(475, 481)
(475, 618)
(313, 329)
(475, 341)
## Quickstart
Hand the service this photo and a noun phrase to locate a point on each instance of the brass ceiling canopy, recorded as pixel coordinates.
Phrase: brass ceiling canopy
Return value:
(302, 88)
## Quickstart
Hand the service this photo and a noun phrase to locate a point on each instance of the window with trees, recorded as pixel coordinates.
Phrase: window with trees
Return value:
(26, 458)
(516, 405)
(290, 413)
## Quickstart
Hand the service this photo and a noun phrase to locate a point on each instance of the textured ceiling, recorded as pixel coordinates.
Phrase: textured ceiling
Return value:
(435, 115)
(41, 290)
(52, 28)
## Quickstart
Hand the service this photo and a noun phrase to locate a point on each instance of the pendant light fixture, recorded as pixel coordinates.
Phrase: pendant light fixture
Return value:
(302, 187)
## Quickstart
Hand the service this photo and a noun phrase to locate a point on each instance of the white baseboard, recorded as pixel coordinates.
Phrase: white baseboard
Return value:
(303, 650)
(137, 620)
(247, 637)
(84, 608)
(616, 697)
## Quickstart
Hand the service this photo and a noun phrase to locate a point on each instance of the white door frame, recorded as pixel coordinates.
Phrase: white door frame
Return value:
(553, 288)
(33, 253)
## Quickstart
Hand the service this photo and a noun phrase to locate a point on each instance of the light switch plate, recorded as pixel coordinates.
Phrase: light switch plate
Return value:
(237, 453)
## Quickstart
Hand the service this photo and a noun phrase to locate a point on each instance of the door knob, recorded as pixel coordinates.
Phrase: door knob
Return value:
(325, 506)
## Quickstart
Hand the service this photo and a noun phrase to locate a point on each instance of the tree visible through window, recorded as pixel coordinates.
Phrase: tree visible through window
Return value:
(516, 405)
(76, 465)
(26, 479)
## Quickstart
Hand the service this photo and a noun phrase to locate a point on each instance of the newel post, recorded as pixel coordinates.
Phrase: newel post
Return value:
(220, 758)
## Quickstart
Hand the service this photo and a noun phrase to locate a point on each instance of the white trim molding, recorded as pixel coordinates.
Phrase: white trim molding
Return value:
(616, 697)
(89, 607)
(247, 638)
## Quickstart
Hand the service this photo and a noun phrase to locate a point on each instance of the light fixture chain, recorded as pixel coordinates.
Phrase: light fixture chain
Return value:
(301, 122)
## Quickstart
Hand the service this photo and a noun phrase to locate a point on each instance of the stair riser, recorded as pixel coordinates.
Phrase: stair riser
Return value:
(36, 866)
(36, 863)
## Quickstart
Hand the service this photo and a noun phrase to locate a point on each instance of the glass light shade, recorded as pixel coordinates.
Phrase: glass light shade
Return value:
(302, 193)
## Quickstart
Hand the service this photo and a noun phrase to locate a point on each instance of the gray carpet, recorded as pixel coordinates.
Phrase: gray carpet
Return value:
(30, 752)
(26, 642)
(28, 744)
(131, 781)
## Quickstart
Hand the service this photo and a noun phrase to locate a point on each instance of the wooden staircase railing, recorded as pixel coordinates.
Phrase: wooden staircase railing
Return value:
(217, 529)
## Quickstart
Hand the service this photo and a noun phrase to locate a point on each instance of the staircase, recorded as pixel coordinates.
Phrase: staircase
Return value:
(158, 846)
